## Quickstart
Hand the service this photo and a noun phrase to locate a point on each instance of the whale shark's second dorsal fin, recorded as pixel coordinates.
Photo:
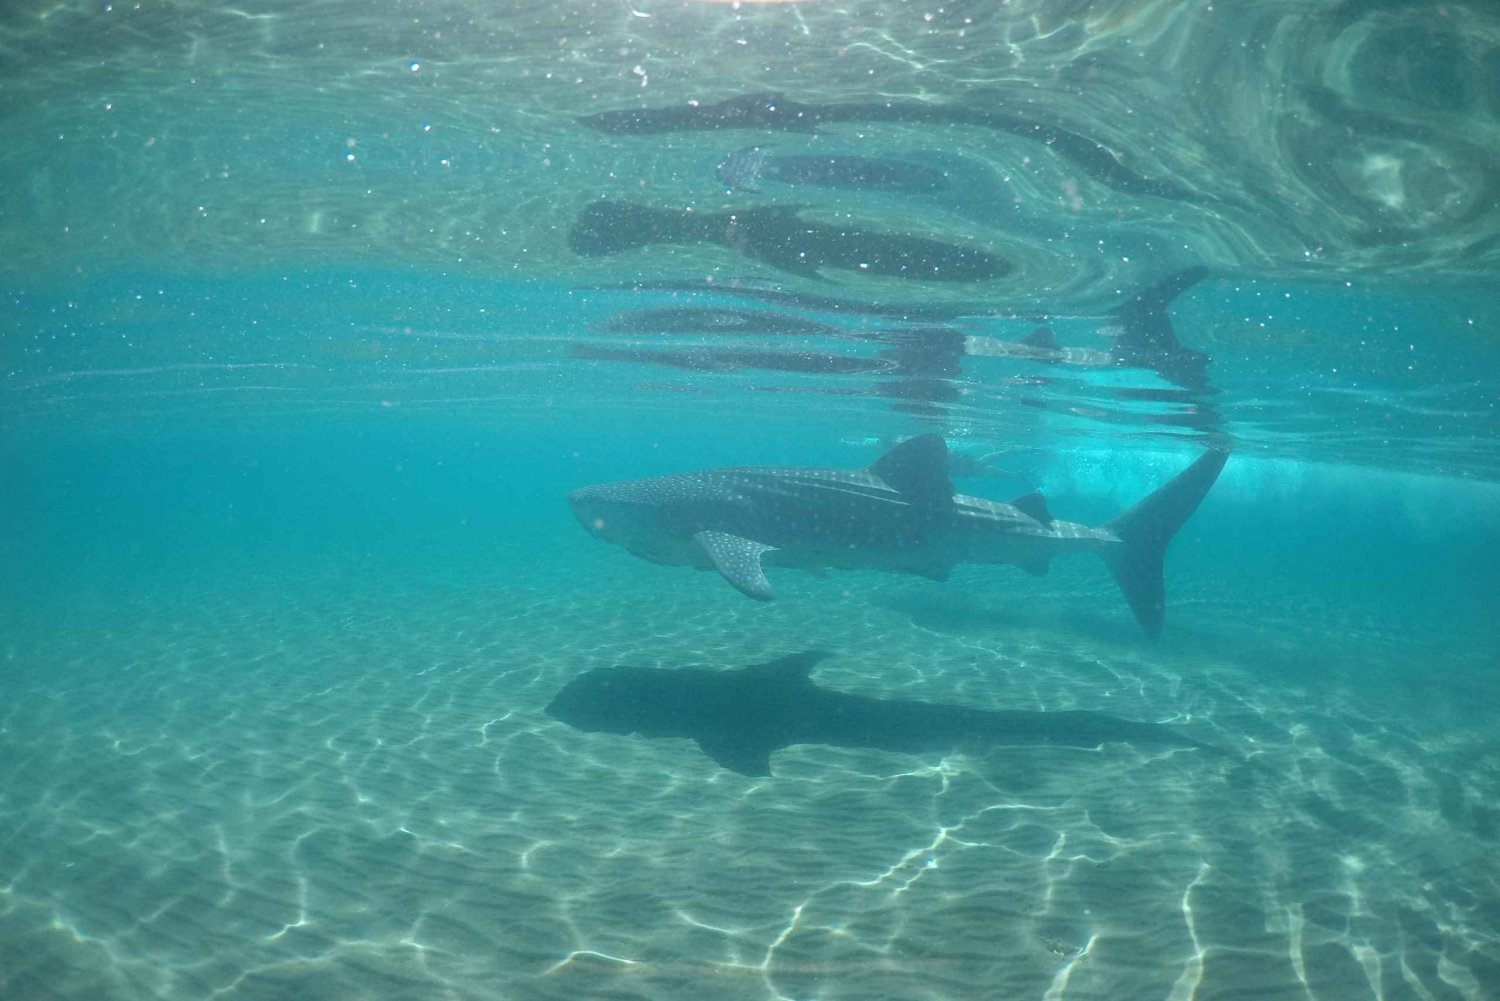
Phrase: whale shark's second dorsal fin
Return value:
(918, 468)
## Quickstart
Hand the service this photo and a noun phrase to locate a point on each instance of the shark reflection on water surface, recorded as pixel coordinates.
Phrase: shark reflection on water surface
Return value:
(778, 235)
(745, 170)
(1140, 331)
(774, 112)
(740, 717)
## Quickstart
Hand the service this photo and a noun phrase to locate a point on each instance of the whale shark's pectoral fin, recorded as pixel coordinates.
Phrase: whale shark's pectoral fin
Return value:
(738, 559)
(748, 757)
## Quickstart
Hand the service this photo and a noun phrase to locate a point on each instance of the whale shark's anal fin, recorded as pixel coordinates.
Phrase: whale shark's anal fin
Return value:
(918, 468)
(738, 560)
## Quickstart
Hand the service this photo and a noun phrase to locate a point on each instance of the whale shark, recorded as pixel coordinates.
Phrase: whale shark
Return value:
(899, 515)
(740, 717)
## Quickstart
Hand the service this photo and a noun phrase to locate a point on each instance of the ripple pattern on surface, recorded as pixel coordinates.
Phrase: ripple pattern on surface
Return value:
(1326, 138)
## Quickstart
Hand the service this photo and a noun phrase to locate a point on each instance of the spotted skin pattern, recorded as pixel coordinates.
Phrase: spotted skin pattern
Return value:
(899, 516)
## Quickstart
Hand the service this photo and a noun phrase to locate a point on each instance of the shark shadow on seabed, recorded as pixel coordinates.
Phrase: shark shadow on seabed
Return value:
(740, 717)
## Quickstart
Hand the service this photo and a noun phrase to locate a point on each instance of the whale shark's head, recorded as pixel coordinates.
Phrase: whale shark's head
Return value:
(652, 518)
(615, 512)
(617, 700)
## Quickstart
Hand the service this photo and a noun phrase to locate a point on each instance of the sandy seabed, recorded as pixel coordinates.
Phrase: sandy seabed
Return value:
(319, 786)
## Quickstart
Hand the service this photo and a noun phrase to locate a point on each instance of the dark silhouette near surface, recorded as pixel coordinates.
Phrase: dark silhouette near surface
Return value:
(670, 320)
(760, 290)
(747, 169)
(724, 359)
(778, 235)
(767, 112)
(1148, 340)
(1143, 335)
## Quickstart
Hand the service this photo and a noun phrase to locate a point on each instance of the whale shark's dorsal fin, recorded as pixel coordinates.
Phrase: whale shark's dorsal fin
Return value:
(738, 559)
(795, 667)
(1041, 337)
(1033, 505)
(918, 468)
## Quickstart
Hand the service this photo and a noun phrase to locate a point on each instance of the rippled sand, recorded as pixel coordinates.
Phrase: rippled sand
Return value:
(330, 786)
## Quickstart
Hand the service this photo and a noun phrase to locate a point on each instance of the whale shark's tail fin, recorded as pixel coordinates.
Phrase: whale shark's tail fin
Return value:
(1144, 532)
(1148, 340)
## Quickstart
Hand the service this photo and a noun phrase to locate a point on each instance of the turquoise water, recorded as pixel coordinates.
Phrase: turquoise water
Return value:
(305, 342)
